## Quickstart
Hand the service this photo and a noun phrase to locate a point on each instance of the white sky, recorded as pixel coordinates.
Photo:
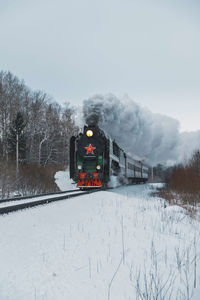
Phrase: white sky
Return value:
(74, 49)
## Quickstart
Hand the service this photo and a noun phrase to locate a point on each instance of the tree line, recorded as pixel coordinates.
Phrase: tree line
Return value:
(183, 181)
(43, 127)
(34, 129)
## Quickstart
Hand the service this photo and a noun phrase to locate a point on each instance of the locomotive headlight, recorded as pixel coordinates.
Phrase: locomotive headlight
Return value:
(79, 167)
(89, 133)
(98, 167)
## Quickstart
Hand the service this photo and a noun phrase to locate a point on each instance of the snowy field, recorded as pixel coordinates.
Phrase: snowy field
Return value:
(121, 244)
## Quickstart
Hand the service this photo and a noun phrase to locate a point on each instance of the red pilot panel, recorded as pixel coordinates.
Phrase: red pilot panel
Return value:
(93, 181)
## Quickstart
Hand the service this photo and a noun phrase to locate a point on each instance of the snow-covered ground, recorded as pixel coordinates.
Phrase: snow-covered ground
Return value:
(121, 244)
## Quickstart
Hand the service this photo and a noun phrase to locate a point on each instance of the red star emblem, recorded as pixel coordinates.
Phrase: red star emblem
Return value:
(90, 149)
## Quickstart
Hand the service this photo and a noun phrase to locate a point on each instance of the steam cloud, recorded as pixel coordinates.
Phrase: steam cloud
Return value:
(153, 137)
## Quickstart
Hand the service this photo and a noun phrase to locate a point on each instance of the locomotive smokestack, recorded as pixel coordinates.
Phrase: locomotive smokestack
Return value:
(92, 113)
(92, 121)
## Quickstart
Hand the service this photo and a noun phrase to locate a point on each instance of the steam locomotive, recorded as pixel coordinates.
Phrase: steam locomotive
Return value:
(95, 158)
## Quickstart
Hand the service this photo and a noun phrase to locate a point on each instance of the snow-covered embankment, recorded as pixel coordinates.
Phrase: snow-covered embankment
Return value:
(120, 244)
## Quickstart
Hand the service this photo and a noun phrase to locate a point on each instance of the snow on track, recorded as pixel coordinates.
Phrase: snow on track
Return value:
(107, 245)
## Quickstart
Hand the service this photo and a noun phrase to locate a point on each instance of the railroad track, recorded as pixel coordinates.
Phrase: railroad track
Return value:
(19, 203)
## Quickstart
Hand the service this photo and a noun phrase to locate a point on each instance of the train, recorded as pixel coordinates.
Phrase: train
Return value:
(95, 159)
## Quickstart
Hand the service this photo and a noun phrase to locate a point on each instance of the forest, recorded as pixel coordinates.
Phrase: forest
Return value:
(34, 137)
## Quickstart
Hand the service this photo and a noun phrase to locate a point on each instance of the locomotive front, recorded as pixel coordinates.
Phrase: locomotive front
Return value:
(87, 158)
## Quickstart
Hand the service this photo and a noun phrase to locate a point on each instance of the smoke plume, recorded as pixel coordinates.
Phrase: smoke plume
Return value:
(141, 133)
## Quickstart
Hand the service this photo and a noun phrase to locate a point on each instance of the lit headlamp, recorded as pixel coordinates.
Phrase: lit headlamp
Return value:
(89, 133)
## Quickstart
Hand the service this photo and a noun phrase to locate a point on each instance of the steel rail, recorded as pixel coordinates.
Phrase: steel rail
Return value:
(8, 209)
(35, 196)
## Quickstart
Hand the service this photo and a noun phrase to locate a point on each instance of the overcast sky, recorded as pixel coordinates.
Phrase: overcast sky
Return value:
(74, 49)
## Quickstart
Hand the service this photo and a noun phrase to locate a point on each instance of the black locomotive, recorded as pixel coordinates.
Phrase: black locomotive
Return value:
(95, 158)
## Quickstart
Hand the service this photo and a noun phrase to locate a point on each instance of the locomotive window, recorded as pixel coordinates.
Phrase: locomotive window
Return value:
(116, 150)
(115, 167)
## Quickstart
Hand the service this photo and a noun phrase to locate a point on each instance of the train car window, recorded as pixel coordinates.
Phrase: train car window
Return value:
(138, 169)
(130, 166)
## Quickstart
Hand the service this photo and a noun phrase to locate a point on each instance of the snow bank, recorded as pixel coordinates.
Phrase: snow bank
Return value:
(63, 181)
